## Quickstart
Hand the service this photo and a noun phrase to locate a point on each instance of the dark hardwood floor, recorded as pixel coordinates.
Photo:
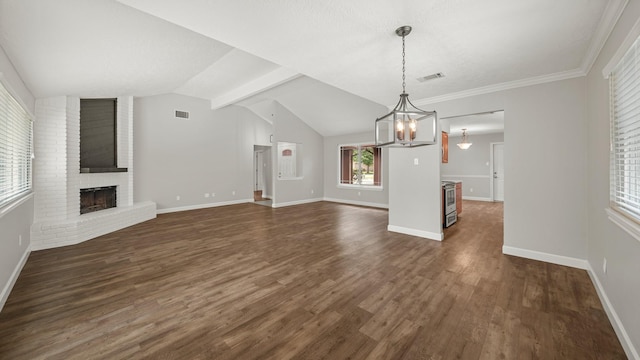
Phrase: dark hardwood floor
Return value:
(313, 281)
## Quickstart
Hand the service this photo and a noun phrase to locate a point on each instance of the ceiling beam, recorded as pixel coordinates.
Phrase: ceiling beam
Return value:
(255, 86)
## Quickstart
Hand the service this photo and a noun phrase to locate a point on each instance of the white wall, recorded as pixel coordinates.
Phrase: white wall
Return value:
(415, 193)
(471, 166)
(289, 128)
(359, 196)
(211, 152)
(16, 218)
(545, 165)
(621, 283)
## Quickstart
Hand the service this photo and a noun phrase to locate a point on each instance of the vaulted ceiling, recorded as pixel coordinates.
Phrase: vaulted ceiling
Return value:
(336, 64)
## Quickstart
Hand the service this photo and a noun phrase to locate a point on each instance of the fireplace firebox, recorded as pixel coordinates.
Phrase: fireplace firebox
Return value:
(98, 198)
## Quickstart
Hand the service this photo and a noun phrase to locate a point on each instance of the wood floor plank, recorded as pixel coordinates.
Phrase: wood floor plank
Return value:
(314, 281)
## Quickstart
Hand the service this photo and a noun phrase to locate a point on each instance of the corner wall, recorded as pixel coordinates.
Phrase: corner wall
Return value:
(211, 153)
(619, 286)
(289, 128)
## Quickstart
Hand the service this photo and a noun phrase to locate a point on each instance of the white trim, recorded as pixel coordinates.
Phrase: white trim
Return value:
(608, 21)
(467, 176)
(360, 187)
(546, 257)
(358, 203)
(297, 202)
(622, 49)
(203, 206)
(15, 203)
(624, 223)
(14, 277)
(414, 232)
(474, 198)
(624, 338)
(564, 75)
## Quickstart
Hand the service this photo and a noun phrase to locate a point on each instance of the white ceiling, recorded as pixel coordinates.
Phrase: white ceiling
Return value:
(347, 53)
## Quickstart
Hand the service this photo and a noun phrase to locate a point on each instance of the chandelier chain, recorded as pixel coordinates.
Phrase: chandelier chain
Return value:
(403, 78)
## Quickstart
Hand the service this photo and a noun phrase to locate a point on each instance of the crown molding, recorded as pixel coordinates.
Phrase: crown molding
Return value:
(608, 21)
(564, 75)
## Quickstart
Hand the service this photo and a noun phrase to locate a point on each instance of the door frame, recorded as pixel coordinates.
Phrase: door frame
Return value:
(258, 170)
(491, 182)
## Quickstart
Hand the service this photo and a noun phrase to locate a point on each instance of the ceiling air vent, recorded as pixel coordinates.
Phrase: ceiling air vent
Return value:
(182, 114)
(431, 77)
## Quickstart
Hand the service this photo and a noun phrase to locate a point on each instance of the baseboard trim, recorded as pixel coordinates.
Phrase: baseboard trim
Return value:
(623, 336)
(546, 257)
(414, 232)
(358, 203)
(14, 277)
(203, 206)
(477, 198)
(297, 202)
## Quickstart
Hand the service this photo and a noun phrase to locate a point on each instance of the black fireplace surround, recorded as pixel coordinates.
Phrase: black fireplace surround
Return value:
(98, 198)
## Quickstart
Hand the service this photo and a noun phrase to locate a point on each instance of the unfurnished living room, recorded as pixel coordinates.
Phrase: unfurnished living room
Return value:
(319, 179)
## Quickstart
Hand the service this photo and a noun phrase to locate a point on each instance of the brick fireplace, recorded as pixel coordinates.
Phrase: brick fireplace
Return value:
(59, 219)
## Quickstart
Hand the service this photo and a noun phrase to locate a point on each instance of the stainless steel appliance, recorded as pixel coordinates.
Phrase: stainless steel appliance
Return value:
(449, 203)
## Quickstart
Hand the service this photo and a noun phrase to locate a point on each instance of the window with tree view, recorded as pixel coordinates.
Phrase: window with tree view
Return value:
(360, 165)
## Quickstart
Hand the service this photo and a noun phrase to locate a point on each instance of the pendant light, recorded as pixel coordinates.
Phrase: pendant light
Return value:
(406, 125)
(465, 144)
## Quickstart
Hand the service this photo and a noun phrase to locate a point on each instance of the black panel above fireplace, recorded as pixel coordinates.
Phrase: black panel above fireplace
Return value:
(98, 136)
(98, 198)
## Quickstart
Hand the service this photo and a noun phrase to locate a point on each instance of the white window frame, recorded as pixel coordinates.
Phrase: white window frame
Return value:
(21, 126)
(359, 186)
(621, 212)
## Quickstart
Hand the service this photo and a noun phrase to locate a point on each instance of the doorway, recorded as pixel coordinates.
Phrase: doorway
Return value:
(497, 171)
(262, 175)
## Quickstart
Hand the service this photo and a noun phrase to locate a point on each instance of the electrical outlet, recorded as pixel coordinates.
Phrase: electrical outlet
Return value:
(416, 161)
(358, 193)
(312, 191)
(604, 265)
(470, 189)
(177, 197)
(206, 195)
(233, 192)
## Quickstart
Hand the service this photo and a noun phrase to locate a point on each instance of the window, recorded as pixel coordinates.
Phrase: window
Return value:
(15, 148)
(625, 134)
(360, 165)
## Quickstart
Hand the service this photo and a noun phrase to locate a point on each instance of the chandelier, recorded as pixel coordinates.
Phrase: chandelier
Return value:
(465, 144)
(406, 125)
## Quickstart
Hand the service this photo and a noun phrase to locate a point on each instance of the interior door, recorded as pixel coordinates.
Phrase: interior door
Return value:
(497, 160)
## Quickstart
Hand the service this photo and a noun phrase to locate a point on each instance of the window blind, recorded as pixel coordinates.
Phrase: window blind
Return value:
(15, 148)
(625, 133)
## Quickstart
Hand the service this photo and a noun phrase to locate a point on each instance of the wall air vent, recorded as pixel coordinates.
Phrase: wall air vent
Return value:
(431, 77)
(182, 114)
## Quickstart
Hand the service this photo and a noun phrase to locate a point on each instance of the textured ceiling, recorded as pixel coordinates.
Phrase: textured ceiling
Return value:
(347, 53)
